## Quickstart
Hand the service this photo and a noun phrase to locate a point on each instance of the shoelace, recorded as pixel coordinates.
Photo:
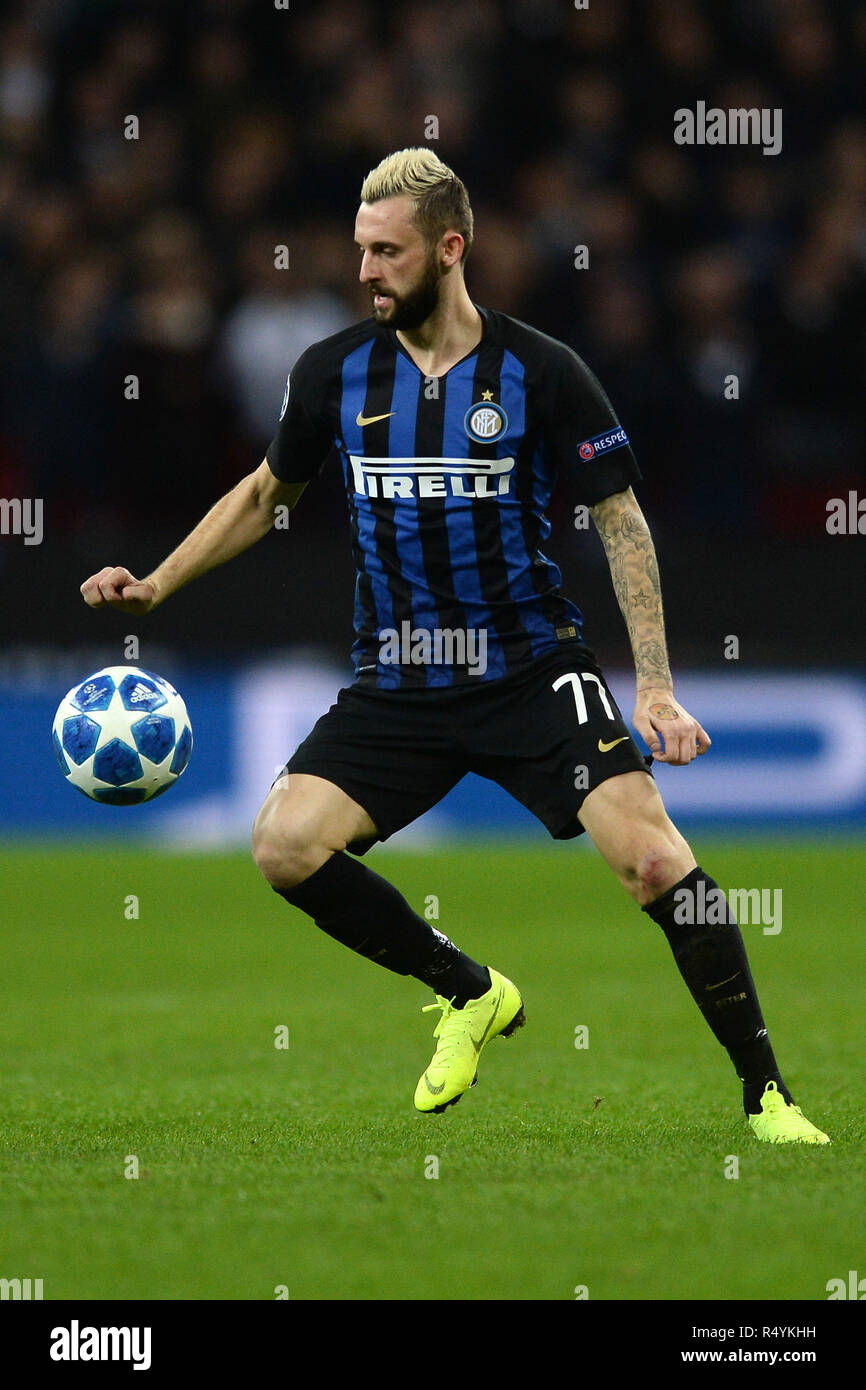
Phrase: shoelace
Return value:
(779, 1105)
(448, 1009)
(773, 1101)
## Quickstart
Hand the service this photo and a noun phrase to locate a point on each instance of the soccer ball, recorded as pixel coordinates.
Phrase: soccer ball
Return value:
(122, 736)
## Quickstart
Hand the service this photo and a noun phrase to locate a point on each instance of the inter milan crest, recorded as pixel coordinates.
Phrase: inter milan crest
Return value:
(485, 421)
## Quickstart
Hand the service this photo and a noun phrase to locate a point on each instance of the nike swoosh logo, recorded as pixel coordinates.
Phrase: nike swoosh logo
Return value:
(724, 982)
(371, 419)
(434, 1090)
(478, 1043)
(606, 747)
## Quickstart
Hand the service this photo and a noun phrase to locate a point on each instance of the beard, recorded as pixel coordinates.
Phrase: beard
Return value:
(410, 310)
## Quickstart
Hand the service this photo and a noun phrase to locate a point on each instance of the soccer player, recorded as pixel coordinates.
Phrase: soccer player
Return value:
(452, 423)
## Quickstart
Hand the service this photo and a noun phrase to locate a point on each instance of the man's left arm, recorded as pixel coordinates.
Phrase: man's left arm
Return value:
(670, 732)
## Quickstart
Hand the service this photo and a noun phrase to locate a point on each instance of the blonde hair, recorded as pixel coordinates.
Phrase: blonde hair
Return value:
(440, 198)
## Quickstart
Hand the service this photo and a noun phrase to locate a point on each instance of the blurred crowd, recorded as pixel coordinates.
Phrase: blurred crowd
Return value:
(253, 124)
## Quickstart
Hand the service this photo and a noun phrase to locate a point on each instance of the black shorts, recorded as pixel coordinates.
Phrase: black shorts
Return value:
(397, 753)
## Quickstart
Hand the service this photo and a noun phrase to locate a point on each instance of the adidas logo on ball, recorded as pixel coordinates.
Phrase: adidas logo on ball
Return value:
(138, 693)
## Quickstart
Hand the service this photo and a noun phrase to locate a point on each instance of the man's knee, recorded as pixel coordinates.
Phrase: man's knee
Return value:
(288, 846)
(655, 861)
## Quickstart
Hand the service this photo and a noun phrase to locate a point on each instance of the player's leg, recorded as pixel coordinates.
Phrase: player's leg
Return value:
(371, 765)
(557, 741)
(303, 821)
(626, 819)
(299, 840)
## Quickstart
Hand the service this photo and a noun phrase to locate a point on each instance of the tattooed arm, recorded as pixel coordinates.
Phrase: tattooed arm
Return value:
(635, 574)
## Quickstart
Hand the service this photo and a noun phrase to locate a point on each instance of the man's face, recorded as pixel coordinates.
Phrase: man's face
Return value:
(401, 272)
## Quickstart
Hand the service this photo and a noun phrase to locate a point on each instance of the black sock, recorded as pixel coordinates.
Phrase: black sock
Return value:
(366, 913)
(712, 955)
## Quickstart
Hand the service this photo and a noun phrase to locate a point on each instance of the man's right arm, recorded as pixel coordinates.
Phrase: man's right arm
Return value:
(232, 525)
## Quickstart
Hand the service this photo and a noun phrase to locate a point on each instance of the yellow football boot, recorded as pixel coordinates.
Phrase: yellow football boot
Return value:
(781, 1123)
(462, 1033)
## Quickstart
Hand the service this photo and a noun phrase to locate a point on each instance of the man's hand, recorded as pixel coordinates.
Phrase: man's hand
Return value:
(115, 587)
(233, 524)
(669, 731)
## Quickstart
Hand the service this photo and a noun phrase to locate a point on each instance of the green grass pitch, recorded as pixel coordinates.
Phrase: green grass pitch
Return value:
(306, 1167)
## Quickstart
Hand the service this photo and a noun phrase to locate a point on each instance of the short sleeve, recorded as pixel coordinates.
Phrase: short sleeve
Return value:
(585, 439)
(303, 440)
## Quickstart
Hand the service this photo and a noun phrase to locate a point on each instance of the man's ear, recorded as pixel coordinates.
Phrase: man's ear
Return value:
(451, 248)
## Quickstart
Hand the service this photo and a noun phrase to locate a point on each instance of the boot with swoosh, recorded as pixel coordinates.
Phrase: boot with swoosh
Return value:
(461, 1034)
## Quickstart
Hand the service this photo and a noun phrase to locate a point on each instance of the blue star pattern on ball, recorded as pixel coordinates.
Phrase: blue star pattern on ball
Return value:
(122, 736)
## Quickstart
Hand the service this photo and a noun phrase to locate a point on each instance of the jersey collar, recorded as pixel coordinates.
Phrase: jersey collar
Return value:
(486, 333)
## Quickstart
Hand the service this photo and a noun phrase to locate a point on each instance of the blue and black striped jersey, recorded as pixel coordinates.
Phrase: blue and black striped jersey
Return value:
(448, 480)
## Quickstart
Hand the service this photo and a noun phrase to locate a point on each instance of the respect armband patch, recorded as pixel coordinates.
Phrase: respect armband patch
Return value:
(602, 443)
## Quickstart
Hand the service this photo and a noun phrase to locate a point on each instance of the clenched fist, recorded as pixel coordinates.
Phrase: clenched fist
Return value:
(672, 735)
(115, 587)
